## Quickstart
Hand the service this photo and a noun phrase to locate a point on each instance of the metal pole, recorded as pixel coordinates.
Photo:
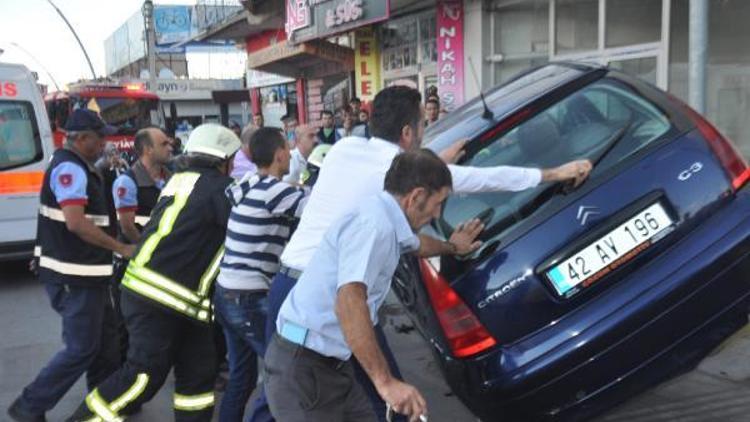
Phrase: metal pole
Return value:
(148, 9)
(93, 74)
(698, 56)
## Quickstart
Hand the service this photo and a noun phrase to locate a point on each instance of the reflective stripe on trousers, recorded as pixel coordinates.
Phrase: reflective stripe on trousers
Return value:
(108, 411)
(194, 402)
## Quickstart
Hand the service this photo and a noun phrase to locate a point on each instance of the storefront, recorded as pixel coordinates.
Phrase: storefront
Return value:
(409, 51)
(645, 38)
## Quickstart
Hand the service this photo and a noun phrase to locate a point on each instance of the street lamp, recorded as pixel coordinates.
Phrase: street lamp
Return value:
(148, 18)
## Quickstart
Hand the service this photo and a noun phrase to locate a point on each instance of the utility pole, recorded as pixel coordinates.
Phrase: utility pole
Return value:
(148, 18)
(59, 12)
(697, 56)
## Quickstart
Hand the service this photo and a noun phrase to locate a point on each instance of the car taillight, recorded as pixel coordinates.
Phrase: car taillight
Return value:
(728, 155)
(465, 334)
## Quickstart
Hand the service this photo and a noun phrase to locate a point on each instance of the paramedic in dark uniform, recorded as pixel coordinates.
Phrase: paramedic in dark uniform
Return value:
(74, 254)
(135, 193)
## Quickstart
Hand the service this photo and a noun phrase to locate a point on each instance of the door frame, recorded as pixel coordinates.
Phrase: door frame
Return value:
(603, 55)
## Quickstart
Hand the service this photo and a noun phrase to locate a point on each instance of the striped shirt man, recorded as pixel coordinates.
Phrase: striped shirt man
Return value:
(263, 210)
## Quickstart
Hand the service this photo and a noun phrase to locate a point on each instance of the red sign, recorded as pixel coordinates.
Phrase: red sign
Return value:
(8, 89)
(450, 47)
(297, 15)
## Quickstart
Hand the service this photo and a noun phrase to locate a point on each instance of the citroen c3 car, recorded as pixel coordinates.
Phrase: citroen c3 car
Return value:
(581, 297)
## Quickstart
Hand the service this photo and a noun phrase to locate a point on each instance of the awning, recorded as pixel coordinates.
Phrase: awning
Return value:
(311, 59)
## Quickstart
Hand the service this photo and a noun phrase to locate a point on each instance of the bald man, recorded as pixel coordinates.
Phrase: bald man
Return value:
(136, 191)
(306, 141)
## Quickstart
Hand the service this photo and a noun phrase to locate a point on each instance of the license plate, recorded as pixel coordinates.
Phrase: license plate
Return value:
(620, 245)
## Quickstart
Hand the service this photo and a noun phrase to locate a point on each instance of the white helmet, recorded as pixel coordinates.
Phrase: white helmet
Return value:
(214, 140)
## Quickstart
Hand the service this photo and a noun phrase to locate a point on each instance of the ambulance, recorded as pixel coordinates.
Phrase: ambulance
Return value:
(25, 149)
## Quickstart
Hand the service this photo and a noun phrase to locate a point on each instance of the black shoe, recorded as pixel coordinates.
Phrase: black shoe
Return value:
(17, 414)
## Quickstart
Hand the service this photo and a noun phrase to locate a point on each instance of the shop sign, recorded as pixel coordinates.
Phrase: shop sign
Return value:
(257, 79)
(450, 48)
(366, 65)
(297, 15)
(314, 19)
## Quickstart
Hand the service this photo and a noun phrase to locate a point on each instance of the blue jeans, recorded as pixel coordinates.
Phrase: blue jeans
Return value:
(89, 332)
(242, 316)
(280, 287)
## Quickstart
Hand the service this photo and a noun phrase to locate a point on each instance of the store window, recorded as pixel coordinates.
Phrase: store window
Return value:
(521, 38)
(400, 44)
(632, 22)
(728, 71)
(576, 25)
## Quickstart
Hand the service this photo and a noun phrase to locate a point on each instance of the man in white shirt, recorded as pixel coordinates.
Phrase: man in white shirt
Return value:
(306, 142)
(355, 168)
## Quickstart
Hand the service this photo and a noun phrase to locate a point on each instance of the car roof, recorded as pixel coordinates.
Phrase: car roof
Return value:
(503, 100)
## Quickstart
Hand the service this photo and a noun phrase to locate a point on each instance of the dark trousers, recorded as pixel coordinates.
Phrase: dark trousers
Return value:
(90, 345)
(280, 287)
(304, 386)
(242, 315)
(159, 340)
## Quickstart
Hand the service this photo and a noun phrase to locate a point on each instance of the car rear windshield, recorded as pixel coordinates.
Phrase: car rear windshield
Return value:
(19, 135)
(583, 125)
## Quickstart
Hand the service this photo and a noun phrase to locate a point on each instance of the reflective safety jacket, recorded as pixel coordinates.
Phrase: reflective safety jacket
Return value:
(178, 256)
(147, 196)
(63, 257)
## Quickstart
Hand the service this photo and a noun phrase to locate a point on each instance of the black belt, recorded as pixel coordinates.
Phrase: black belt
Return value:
(290, 272)
(287, 345)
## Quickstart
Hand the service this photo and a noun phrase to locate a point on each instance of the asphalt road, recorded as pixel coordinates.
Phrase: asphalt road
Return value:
(718, 390)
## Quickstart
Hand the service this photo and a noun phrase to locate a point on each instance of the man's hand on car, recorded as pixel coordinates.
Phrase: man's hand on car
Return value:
(464, 237)
(577, 171)
(454, 152)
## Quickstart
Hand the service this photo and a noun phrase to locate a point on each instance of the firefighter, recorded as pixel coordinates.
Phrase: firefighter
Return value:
(74, 259)
(166, 289)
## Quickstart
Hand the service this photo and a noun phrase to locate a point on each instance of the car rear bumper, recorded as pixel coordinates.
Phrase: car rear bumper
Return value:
(698, 296)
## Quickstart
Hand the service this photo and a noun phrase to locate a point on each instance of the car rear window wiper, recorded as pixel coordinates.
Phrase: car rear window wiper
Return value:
(612, 141)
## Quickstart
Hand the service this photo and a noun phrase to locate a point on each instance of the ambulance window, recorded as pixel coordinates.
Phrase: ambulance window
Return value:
(19, 135)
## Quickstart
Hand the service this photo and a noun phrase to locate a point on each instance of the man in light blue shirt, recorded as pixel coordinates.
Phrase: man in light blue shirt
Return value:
(330, 313)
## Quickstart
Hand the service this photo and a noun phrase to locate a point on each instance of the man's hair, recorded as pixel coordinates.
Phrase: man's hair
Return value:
(417, 169)
(355, 100)
(346, 109)
(326, 113)
(394, 108)
(263, 145)
(142, 140)
(246, 134)
(432, 101)
(364, 111)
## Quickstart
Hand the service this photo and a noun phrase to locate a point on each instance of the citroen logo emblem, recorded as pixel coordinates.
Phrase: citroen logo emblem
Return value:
(586, 211)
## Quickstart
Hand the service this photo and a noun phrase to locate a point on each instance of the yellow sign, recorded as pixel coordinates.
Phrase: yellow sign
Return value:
(366, 64)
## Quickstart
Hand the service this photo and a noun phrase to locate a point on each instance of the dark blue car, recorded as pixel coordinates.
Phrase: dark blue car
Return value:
(581, 297)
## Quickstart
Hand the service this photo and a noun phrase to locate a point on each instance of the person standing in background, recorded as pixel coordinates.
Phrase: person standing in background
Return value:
(328, 133)
(431, 112)
(243, 164)
(306, 142)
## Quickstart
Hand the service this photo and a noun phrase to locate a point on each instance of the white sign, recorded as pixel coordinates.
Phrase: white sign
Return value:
(258, 79)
